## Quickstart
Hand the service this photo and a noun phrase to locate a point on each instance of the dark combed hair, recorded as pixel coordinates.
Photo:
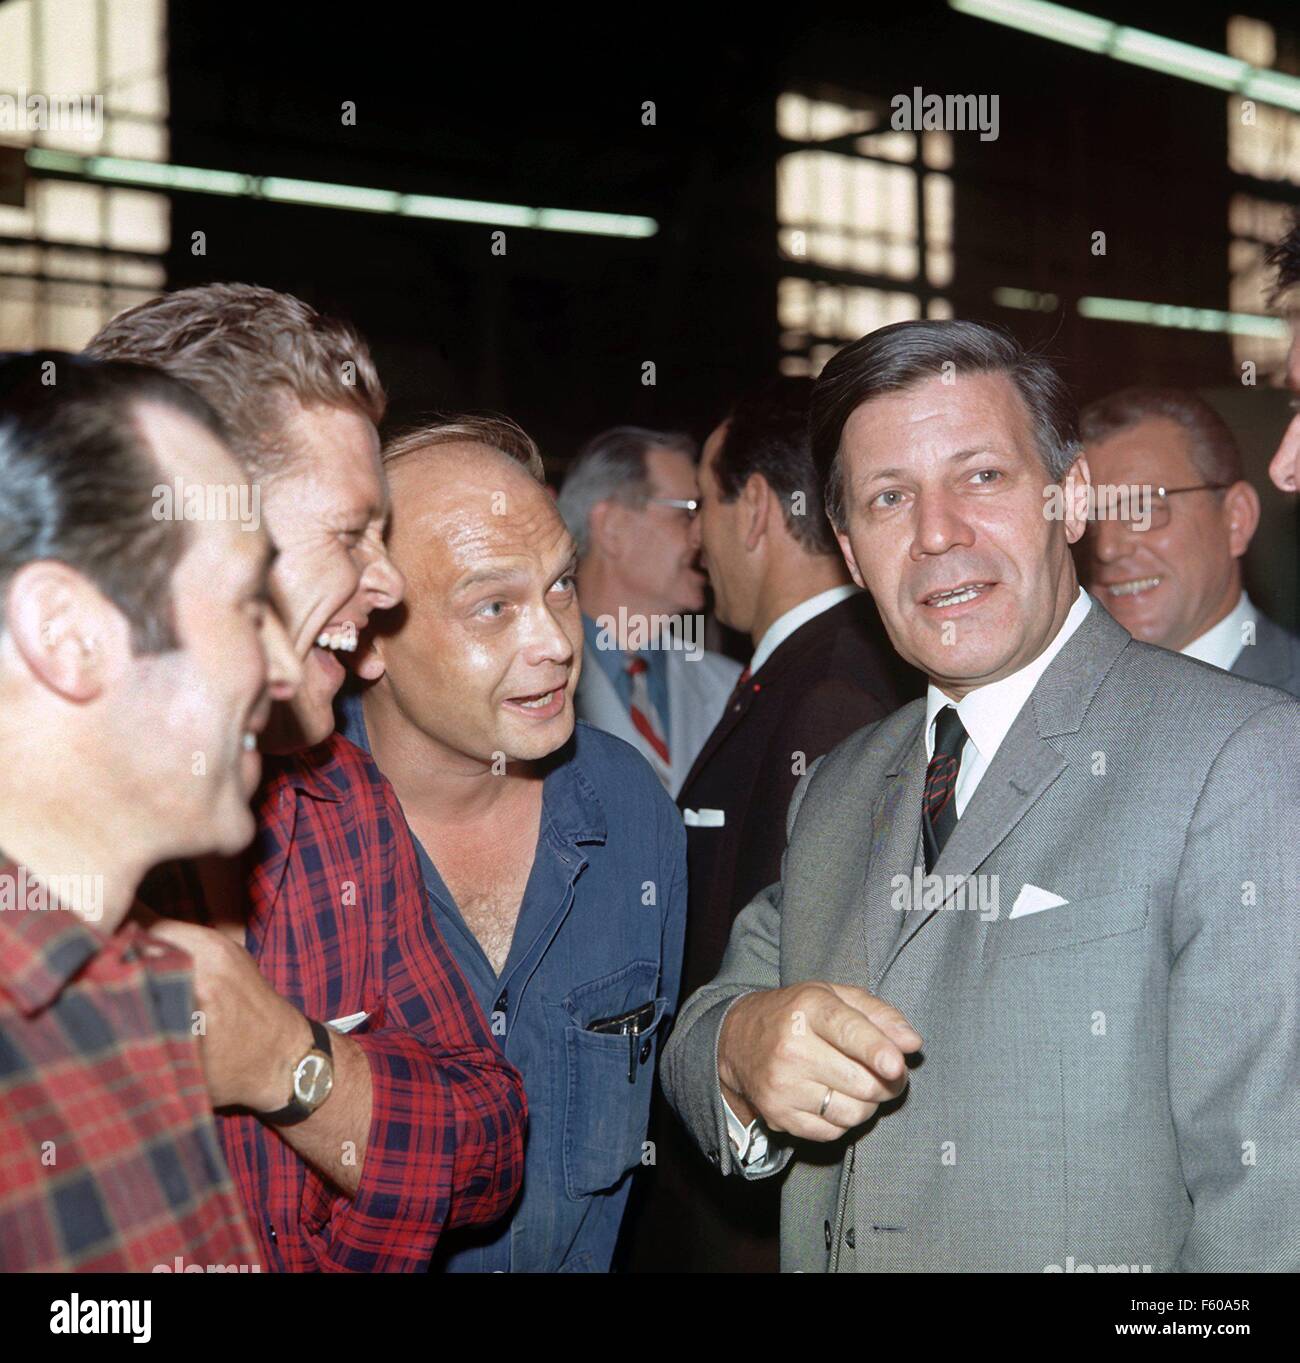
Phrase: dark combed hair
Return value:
(767, 434)
(1285, 259)
(1214, 451)
(77, 480)
(906, 353)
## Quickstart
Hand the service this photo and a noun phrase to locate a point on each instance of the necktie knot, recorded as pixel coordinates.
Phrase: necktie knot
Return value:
(637, 666)
(949, 733)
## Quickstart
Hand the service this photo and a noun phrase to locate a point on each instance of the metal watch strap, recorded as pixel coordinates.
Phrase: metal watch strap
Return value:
(295, 1110)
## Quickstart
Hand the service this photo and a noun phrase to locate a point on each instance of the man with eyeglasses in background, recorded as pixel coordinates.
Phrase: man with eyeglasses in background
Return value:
(1170, 571)
(628, 501)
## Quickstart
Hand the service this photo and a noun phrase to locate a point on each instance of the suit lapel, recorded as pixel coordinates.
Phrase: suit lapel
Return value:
(598, 703)
(791, 648)
(895, 847)
(683, 710)
(731, 718)
(1026, 765)
(1265, 659)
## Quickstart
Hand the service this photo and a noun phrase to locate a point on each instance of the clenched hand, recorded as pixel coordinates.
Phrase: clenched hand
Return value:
(781, 1050)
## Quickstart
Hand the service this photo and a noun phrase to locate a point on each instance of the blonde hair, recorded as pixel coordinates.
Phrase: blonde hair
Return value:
(497, 433)
(249, 351)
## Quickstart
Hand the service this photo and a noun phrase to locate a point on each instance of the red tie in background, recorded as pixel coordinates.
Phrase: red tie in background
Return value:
(646, 719)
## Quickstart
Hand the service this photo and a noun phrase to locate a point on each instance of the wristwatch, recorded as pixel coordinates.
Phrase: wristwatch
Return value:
(313, 1078)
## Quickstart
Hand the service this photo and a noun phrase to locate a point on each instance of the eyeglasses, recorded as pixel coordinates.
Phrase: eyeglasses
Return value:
(1140, 509)
(690, 505)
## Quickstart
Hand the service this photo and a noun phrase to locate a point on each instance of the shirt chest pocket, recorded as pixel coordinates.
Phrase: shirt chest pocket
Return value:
(608, 1077)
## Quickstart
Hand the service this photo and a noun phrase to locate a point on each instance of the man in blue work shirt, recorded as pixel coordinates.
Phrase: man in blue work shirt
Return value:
(554, 860)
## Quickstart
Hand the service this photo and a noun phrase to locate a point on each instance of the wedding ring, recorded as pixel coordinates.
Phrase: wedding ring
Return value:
(826, 1102)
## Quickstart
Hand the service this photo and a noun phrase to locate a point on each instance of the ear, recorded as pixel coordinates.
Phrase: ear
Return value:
(69, 634)
(1241, 515)
(606, 527)
(755, 500)
(847, 550)
(1078, 482)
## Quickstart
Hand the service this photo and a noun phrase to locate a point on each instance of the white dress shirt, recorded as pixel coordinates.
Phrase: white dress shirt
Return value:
(987, 714)
(1221, 644)
(785, 625)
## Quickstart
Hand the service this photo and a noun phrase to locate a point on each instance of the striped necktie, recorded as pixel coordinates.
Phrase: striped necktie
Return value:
(646, 719)
(939, 806)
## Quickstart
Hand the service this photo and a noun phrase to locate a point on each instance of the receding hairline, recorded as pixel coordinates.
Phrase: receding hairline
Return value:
(449, 459)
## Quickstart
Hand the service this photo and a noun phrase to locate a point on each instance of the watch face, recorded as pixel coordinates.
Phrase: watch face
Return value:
(313, 1079)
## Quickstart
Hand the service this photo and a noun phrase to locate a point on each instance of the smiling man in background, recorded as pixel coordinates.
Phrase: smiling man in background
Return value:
(554, 860)
(1171, 572)
(365, 1139)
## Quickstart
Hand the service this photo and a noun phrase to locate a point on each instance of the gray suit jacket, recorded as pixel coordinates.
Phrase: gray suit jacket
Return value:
(1114, 1081)
(697, 693)
(1274, 658)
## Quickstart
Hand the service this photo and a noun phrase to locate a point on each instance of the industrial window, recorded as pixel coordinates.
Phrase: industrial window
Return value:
(864, 224)
(87, 76)
(1264, 153)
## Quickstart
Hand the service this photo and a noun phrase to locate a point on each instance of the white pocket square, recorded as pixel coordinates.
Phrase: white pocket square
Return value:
(704, 818)
(1032, 899)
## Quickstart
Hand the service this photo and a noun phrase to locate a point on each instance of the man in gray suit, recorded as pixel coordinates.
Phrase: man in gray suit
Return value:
(629, 502)
(1167, 563)
(1070, 867)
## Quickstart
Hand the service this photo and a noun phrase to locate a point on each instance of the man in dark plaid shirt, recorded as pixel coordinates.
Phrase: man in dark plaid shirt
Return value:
(115, 622)
(338, 923)
(420, 1125)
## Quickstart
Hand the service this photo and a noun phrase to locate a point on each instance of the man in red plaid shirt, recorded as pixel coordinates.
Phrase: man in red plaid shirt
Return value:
(138, 659)
(402, 1117)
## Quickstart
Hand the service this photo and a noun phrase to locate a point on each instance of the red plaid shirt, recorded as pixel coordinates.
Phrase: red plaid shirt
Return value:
(338, 924)
(109, 1158)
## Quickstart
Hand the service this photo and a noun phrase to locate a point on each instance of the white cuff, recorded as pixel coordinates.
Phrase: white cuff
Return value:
(749, 1142)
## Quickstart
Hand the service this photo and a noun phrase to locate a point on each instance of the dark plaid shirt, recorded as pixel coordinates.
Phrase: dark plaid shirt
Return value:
(109, 1158)
(339, 924)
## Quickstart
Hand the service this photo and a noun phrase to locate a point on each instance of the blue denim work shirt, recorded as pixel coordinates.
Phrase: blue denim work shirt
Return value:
(599, 933)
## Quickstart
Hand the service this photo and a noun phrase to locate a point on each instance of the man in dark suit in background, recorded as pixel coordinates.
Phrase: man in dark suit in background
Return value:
(822, 667)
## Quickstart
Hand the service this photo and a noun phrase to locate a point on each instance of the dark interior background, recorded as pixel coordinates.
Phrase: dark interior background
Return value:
(544, 107)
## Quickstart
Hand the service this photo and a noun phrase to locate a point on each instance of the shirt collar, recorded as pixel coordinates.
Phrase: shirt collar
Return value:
(785, 625)
(988, 712)
(569, 801)
(1221, 643)
(316, 772)
(42, 949)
